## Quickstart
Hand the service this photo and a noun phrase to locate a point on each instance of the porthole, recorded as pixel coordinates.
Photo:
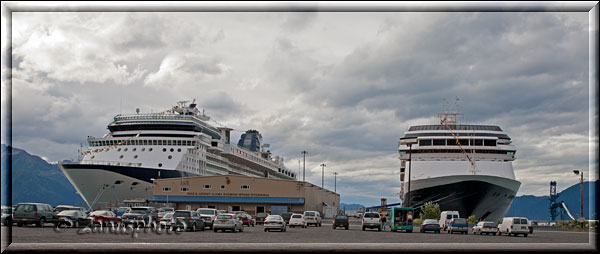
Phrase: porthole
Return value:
(93, 156)
(164, 149)
(121, 157)
(178, 149)
(172, 149)
(125, 149)
(170, 157)
(143, 149)
(134, 149)
(160, 165)
(118, 150)
(149, 149)
(135, 156)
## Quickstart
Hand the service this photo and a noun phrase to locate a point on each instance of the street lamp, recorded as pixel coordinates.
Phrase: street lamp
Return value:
(323, 175)
(335, 182)
(304, 166)
(577, 172)
(409, 142)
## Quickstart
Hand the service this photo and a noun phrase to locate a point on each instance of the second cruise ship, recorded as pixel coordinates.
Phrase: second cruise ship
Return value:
(178, 142)
(465, 168)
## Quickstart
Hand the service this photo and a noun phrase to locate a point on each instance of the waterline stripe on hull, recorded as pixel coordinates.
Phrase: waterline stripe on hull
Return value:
(142, 174)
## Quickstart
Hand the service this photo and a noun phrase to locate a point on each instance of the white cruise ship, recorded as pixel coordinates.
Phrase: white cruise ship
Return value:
(465, 168)
(178, 142)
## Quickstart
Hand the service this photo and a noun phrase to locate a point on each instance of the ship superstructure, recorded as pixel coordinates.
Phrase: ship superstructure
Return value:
(177, 142)
(461, 167)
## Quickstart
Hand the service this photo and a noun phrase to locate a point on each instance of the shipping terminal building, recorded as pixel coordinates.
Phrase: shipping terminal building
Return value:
(245, 193)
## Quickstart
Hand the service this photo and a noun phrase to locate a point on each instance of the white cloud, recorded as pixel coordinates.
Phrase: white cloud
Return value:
(343, 86)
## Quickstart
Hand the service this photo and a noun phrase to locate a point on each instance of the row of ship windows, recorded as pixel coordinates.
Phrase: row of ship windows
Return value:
(458, 151)
(143, 142)
(454, 142)
(206, 187)
(260, 161)
(149, 149)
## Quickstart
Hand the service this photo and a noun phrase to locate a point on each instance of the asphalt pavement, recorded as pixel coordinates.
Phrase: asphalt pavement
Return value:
(47, 238)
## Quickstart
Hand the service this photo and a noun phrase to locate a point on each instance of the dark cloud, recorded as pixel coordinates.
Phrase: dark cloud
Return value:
(346, 104)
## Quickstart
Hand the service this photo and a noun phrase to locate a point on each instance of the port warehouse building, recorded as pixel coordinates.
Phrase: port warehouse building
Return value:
(245, 193)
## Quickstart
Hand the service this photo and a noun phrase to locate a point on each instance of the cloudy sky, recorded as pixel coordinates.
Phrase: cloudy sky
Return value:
(342, 86)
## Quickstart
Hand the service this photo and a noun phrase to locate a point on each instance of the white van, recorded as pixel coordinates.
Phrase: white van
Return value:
(312, 217)
(446, 217)
(514, 226)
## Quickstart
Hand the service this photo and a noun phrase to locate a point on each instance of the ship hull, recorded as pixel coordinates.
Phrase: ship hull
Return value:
(102, 186)
(485, 197)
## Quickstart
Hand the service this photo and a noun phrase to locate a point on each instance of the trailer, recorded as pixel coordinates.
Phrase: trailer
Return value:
(402, 219)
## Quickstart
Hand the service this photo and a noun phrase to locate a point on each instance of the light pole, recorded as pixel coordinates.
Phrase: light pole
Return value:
(577, 172)
(323, 175)
(335, 182)
(304, 166)
(408, 142)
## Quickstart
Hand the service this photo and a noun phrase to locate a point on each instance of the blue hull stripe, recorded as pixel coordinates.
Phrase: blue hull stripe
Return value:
(227, 199)
(142, 174)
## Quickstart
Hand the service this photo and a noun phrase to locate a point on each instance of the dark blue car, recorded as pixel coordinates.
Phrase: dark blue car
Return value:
(458, 225)
(430, 225)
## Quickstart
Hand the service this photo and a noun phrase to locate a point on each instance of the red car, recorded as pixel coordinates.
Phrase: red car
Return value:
(247, 220)
(105, 217)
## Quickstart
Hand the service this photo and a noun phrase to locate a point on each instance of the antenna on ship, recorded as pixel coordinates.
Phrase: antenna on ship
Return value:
(449, 117)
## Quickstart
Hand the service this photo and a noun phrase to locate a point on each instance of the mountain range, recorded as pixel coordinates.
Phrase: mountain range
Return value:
(36, 180)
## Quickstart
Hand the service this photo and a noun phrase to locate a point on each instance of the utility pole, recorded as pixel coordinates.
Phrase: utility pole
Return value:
(577, 172)
(304, 167)
(323, 175)
(335, 182)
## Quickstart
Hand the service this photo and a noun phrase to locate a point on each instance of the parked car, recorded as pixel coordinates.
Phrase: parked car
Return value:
(72, 219)
(122, 210)
(312, 217)
(446, 217)
(430, 225)
(485, 227)
(371, 220)
(60, 208)
(104, 217)
(458, 225)
(274, 222)
(161, 211)
(209, 215)
(33, 213)
(141, 215)
(228, 221)
(297, 220)
(341, 221)
(247, 220)
(359, 215)
(7, 212)
(167, 220)
(260, 218)
(187, 219)
(514, 226)
(286, 217)
(221, 211)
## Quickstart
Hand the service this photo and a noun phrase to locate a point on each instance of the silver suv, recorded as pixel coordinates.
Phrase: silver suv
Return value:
(371, 220)
(209, 215)
(141, 215)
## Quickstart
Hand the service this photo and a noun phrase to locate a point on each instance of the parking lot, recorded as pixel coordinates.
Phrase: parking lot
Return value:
(324, 234)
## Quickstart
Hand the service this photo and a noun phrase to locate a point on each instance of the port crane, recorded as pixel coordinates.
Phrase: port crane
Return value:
(555, 205)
